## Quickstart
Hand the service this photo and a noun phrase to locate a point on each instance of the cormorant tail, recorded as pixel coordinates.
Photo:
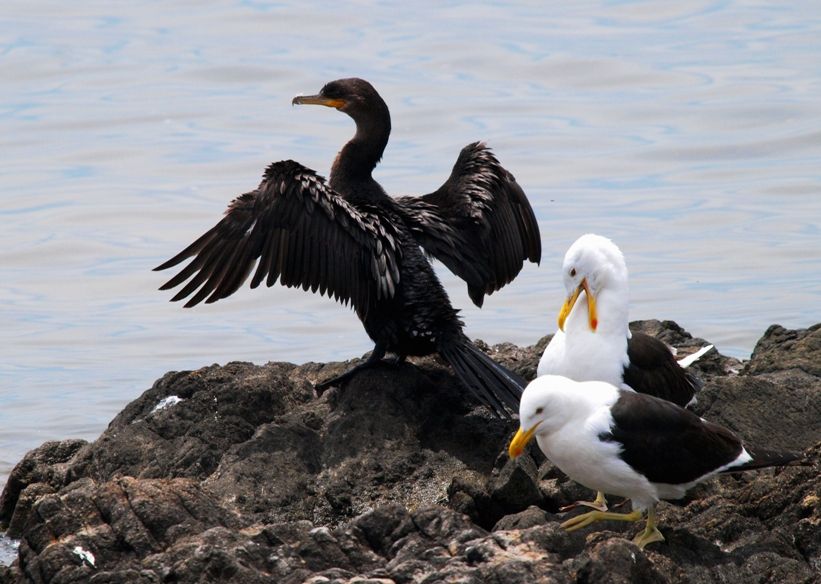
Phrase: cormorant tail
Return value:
(496, 386)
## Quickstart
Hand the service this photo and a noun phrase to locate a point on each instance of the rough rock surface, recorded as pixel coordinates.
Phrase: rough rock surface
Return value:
(239, 474)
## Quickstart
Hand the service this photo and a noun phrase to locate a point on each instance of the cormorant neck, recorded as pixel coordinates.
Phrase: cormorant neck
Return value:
(357, 159)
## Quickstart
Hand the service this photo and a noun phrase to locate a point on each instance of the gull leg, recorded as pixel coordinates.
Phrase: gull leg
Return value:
(621, 503)
(599, 503)
(586, 519)
(650, 533)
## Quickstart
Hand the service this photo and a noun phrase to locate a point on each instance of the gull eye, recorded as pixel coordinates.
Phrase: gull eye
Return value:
(572, 272)
(539, 410)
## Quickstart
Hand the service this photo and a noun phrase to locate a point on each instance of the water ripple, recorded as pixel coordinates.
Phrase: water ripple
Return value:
(689, 132)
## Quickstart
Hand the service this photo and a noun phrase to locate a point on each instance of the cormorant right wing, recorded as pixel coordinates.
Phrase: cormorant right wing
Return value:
(479, 223)
(301, 232)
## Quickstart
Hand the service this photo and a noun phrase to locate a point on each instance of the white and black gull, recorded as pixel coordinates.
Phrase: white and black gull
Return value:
(629, 444)
(594, 341)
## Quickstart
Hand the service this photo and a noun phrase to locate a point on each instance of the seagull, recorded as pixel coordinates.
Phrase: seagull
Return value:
(594, 342)
(629, 444)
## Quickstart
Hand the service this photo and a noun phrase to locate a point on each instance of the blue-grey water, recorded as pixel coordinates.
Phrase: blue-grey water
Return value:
(689, 132)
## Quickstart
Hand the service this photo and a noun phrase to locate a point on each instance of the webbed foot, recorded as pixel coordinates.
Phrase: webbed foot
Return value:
(649, 535)
(599, 503)
(586, 519)
(374, 359)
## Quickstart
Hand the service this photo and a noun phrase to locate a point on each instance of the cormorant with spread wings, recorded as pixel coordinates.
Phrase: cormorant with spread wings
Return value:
(348, 239)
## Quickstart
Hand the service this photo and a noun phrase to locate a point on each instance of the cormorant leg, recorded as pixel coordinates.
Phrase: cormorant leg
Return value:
(599, 504)
(586, 519)
(375, 358)
(650, 533)
(397, 360)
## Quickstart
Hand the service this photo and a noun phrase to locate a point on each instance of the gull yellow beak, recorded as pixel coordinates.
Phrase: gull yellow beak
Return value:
(592, 315)
(317, 100)
(520, 440)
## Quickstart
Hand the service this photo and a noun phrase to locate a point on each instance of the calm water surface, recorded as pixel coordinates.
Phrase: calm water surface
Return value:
(688, 132)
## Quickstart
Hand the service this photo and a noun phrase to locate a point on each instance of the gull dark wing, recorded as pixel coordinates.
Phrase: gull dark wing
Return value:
(653, 370)
(479, 223)
(294, 228)
(667, 443)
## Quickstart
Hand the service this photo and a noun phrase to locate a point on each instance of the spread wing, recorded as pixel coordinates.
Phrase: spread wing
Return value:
(479, 223)
(294, 228)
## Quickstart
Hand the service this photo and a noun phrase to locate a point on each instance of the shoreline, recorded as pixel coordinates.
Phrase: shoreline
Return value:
(244, 461)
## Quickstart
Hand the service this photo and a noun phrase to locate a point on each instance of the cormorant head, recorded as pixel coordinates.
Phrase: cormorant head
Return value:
(356, 97)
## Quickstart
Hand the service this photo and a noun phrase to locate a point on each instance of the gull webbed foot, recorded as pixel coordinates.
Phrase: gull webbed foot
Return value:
(648, 535)
(599, 503)
(651, 533)
(586, 519)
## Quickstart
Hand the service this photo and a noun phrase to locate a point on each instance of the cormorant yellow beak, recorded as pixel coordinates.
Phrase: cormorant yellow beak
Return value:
(520, 440)
(592, 315)
(318, 100)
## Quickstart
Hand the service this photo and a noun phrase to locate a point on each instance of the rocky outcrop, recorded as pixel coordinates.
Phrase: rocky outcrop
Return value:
(239, 474)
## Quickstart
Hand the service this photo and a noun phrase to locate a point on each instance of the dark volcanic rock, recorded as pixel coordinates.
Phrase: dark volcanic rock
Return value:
(239, 474)
(781, 349)
(41, 471)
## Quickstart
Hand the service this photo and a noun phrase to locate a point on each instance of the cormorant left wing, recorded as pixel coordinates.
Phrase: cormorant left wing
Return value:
(479, 223)
(303, 234)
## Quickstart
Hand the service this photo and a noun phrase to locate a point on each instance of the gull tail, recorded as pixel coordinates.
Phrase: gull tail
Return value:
(494, 385)
(690, 359)
(766, 457)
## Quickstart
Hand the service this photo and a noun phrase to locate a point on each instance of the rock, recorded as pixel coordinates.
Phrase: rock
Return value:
(616, 561)
(516, 486)
(45, 465)
(781, 349)
(240, 474)
(25, 502)
(782, 415)
(528, 518)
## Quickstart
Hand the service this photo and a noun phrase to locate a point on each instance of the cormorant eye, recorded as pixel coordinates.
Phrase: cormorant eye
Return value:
(572, 272)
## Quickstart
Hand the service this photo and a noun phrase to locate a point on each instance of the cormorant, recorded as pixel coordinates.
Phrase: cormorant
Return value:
(594, 341)
(348, 239)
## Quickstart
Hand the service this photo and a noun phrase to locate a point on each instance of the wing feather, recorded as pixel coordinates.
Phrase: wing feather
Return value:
(667, 443)
(652, 369)
(479, 223)
(294, 228)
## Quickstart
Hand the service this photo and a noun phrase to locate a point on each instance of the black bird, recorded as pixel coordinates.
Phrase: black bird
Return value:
(348, 239)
